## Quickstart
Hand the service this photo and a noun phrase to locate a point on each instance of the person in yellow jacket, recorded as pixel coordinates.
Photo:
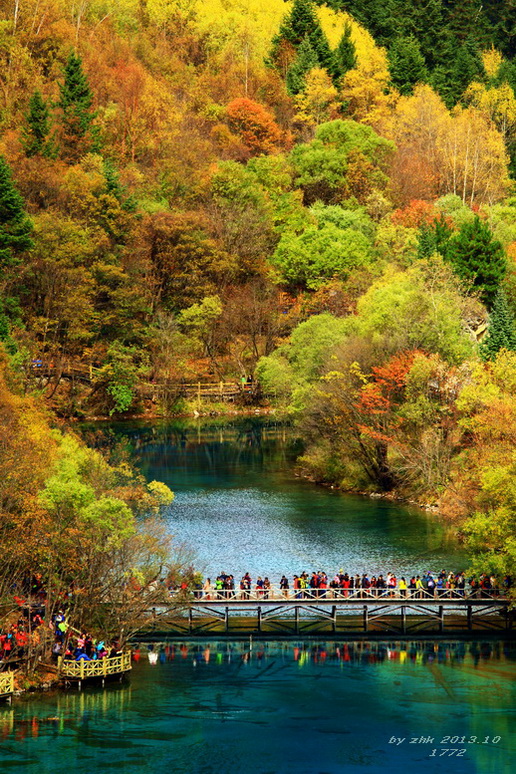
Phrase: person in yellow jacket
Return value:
(419, 587)
(402, 586)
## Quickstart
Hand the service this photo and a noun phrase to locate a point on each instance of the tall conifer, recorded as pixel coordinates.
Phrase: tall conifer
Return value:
(306, 59)
(344, 56)
(501, 333)
(78, 133)
(299, 24)
(15, 238)
(36, 134)
(15, 226)
(406, 64)
(477, 257)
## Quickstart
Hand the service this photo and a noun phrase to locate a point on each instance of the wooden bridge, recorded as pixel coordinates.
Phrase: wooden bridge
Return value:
(110, 666)
(210, 391)
(357, 614)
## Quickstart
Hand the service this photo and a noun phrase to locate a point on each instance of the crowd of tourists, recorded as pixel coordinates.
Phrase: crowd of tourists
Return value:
(345, 585)
(16, 637)
(79, 646)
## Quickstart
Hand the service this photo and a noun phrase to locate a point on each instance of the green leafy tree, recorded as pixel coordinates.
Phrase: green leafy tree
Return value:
(344, 56)
(119, 377)
(319, 253)
(305, 60)
(406, 64)
(477, 257)
(36, 138)
(344, 159)
(78, 134)
(501, 333)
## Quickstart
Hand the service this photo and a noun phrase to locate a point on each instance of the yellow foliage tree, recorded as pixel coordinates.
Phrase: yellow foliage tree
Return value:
(497, 103)
(317, 103)
(365, 88)
(440, 152)
(473, 157)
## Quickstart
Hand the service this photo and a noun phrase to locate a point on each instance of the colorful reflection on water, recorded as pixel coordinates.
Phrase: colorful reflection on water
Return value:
(283, 708)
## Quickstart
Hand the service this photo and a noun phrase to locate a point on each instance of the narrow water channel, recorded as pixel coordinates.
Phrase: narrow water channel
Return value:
(306, 707)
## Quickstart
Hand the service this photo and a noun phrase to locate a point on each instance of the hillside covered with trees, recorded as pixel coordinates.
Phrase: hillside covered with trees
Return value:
(320, 195)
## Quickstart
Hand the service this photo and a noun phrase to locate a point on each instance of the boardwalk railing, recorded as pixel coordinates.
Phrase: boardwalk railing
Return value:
(288, 595)
(6, 683)
(102, 667)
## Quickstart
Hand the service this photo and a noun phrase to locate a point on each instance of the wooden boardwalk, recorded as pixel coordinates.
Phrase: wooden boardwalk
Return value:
(202, 391)
(355, 615)
(6, 685)
(78, 671)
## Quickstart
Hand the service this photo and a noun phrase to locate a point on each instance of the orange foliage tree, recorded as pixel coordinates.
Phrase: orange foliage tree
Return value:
(255, 126)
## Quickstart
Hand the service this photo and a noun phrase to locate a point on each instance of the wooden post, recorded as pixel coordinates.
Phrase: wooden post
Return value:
(366, 622)
(226, 621)
(190, 617)
(403, 619)
(221, 388)
(199, 392)
(296, 619)
(470, 617)
(259, 618)
(334, 618)
(441, 618)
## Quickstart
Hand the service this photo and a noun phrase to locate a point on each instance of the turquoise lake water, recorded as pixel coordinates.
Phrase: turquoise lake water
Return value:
(306, 707)
(284, 708)
(239, 508)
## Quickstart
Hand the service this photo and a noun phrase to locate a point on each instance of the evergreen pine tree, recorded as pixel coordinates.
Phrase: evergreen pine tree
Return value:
(302, 23)
(501, 333)
(467, 67)
(434, 238)
(15, 226)
(116, 189)
(36, 140)
(426, 25)
(465, 20)
(15, 237)
(344, 56)
(478, 258)
(380, 17)
(78, 133)
(463, 65)
(306, 59)
(426, 242)
(299, 23)
(406, 64)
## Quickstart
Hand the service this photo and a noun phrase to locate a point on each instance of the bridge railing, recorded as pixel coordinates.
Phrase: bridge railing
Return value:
(285, 595)
(6, 683)
(102, 667)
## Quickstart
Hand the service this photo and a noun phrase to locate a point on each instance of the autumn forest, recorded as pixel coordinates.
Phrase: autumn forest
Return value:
(318, 197)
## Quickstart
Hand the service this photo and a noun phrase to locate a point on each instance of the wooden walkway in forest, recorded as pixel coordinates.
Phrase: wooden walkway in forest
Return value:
(215, 390)
(354, 615)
